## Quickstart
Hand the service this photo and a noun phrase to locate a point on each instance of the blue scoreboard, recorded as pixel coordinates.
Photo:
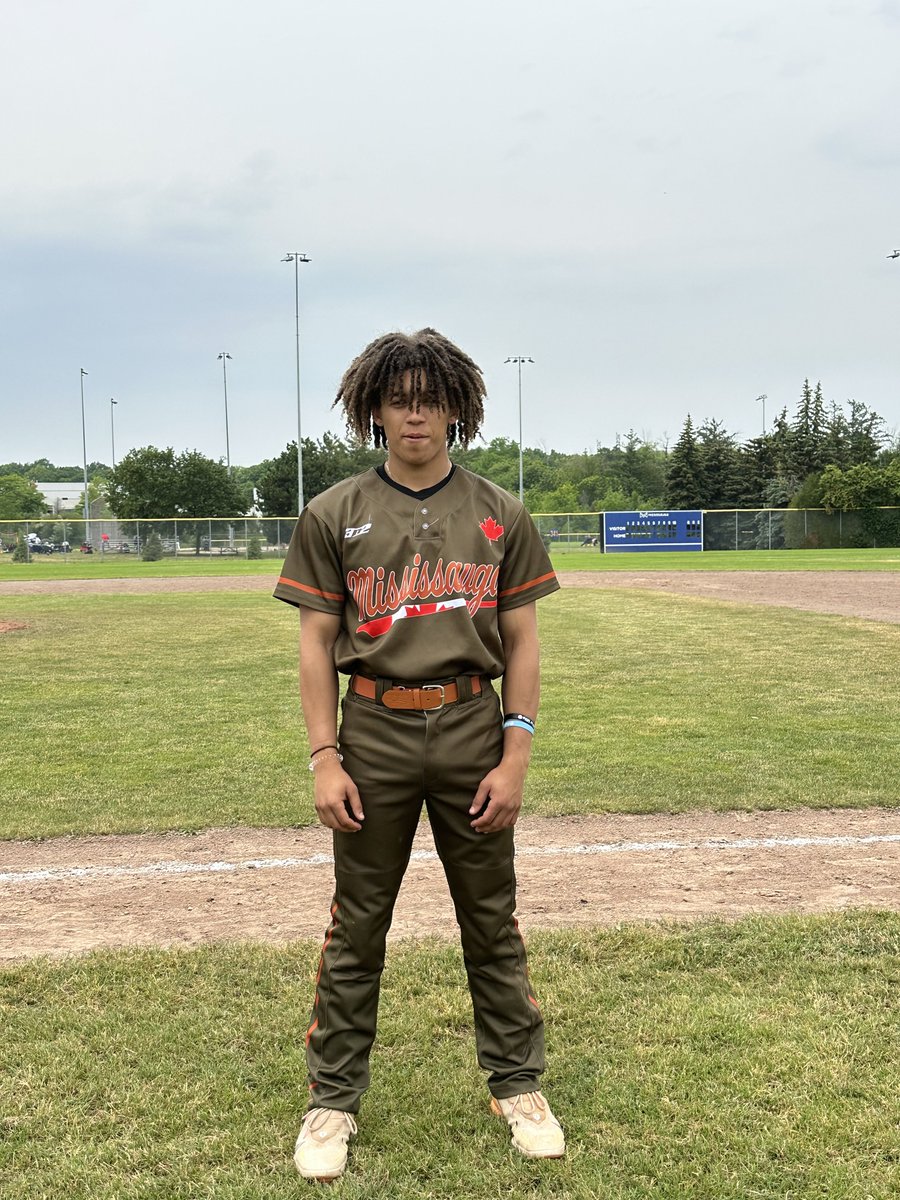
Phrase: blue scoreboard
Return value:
(636, 532)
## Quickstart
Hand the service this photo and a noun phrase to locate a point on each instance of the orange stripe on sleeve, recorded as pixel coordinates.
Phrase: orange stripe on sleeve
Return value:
(302, 587)
(531, 583)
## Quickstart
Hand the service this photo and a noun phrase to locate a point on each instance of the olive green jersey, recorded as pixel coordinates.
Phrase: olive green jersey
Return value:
(417, 582)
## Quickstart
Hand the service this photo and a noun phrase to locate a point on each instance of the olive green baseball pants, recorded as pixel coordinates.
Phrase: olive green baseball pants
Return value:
(398, 760)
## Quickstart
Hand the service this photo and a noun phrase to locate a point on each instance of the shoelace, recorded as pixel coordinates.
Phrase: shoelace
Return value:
(317, 1118)
(530, 1105)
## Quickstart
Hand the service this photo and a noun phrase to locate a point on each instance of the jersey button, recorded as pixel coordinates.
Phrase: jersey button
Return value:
(424, 512)
(424, 524)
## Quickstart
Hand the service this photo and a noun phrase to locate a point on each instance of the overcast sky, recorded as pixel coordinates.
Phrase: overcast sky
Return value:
(671, 206)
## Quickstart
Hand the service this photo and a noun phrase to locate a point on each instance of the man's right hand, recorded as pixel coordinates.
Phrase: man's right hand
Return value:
(338, 805)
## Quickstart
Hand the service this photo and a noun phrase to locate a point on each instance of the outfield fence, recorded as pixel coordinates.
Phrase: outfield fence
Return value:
(259, 537)
(208, 537)
(749, 529)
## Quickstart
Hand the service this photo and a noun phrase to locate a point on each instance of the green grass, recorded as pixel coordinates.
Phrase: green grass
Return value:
(180, 711)
(576, 559)
(707, 1062)
(117, 566)
(124, 566)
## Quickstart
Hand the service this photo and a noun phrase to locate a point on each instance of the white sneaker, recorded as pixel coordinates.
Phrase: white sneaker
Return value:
(321, 1150)
(536, 1133)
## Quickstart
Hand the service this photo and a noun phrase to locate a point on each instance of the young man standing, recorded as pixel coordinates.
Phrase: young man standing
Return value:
(418, 579)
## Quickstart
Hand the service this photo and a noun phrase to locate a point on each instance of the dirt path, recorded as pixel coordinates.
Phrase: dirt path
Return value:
(873, 595)
(70, 895)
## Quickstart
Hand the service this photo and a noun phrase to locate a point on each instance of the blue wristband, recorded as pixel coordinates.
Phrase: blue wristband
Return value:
(515, 723)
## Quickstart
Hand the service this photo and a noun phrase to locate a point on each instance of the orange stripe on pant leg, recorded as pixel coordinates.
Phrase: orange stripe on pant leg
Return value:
(328, 936)
(528, 980)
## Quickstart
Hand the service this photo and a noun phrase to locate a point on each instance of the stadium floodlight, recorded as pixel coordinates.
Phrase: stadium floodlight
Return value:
(87, 513)
(518, 359)
(223, 357)
(763, 398)
(297, 258)
(112, 428)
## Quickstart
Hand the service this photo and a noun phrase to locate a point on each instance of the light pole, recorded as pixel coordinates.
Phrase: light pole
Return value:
(223, 357)
(87, 513)
(518, 360)
(65, 544)
(763, 398)
(112, 428)
(297, 258)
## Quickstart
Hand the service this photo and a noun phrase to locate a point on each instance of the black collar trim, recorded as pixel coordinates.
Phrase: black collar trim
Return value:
(425, 493)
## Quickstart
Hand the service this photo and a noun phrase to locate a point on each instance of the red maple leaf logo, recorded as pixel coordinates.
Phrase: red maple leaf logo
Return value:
(491, 529)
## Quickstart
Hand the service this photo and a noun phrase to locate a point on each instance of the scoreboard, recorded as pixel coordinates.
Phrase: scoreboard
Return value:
(638, 532)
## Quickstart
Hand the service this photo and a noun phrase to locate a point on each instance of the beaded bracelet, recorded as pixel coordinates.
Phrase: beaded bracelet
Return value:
(325, 757)
(318, 750)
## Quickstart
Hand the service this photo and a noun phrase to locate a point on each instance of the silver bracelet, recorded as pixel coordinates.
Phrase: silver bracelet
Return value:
(324, 758)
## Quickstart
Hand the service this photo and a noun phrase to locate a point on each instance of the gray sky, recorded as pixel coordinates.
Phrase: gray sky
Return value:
(671, 207)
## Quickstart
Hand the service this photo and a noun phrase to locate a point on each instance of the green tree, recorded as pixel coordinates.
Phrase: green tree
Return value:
(684, 480)
(205, 489)
(719, 467)
(836, 445)
(639, 468)
(151, 483)
(144, 484)
(325, 463)
(756, 468)
(866, 434)
(809, 429)
(43, 471)
(874, 492)
(19, 498)
(153, 548)
(861, 487)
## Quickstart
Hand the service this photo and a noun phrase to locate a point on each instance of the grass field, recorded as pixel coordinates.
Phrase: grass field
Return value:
(179, 711)
(710, 1062)
(706, 1062)
(115, 566)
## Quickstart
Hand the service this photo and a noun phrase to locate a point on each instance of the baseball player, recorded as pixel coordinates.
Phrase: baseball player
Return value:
(418, 579)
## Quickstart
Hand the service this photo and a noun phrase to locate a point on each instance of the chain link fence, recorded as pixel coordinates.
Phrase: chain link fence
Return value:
(749, 529)
(176, 537)
(261, 537)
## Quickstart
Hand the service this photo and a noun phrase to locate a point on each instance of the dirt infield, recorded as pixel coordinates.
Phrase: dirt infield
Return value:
(71, 895)
(872, 595)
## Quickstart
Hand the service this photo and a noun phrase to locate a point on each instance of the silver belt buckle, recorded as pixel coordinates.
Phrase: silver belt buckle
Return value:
(434, 687)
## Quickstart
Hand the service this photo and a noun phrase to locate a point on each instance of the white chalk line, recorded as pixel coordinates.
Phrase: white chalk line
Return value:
(55, 874)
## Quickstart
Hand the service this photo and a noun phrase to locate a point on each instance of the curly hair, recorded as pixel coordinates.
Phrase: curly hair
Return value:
(448, 374)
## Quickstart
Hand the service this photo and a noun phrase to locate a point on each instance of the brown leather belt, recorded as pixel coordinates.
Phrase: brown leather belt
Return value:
(424, 698)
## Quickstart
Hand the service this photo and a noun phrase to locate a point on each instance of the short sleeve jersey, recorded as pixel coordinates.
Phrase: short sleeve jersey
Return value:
(417, 582)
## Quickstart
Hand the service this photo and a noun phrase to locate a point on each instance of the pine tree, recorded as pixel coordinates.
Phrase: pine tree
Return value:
(719, 466)
(783, 446)
(684, 476)
(866, 434)
(808, 429)
(836, 443)
(756, 466)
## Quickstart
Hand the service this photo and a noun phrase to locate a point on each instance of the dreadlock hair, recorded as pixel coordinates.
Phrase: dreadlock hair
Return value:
(436, 366)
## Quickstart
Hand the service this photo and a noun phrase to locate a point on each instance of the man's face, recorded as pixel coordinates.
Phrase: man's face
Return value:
(415, 422)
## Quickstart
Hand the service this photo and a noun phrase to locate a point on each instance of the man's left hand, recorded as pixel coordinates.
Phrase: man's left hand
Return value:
(499, 795)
